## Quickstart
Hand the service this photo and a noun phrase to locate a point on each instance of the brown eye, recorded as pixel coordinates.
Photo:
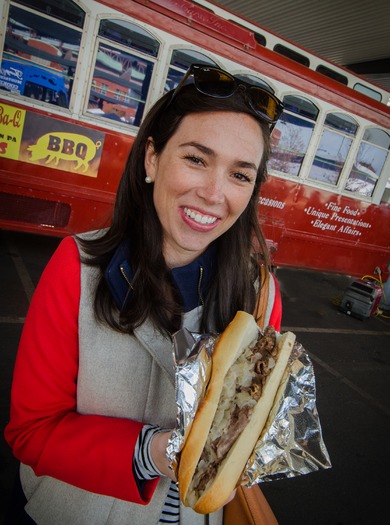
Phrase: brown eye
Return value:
(242, 177)
(194, 160)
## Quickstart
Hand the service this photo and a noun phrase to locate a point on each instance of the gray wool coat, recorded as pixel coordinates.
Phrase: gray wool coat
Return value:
(139, 383)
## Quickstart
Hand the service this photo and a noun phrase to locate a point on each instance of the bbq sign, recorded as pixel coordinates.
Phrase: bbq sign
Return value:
(11, 129)
(53, 143)
(59, 146)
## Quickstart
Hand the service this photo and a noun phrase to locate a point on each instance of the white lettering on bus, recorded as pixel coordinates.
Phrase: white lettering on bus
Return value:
(349, 211)
(323, 225)
(332, 206)
(349, 217)
(349, 230)
(348, 220)
(272, 203)
(316, 213)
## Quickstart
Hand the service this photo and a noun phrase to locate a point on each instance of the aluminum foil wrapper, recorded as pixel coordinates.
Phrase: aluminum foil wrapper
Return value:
(292, 442)
(192, 357)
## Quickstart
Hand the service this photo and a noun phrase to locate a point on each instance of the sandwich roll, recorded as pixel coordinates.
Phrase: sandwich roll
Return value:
(247, 369)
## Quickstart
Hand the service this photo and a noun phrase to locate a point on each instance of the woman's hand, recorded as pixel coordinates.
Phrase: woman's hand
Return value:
(158, 447)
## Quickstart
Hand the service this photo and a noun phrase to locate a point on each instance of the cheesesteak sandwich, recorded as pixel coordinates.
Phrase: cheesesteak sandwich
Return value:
(247, 369)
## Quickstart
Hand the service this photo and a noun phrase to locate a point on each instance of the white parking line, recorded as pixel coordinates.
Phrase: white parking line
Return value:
(12, 320)
(350, 384)
(340, 377)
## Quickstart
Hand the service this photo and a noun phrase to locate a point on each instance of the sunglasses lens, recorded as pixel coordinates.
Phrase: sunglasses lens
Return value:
(214, 82)
(264, 103)
(217, 83)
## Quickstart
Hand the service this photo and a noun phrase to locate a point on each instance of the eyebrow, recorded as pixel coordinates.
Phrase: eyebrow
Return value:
(208, 151)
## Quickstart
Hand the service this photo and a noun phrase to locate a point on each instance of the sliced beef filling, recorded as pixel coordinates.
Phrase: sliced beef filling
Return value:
(262, 357)
(238, 422)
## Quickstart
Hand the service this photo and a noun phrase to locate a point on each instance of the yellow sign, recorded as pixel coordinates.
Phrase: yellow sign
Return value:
(47, 141)
(72, 147)
(11, 130)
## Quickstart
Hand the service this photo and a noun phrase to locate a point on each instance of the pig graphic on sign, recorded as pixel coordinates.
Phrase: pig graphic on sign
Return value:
(65, 146)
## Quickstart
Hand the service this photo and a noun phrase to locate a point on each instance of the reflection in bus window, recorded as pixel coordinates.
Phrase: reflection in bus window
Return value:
(292, 134)
(129, 34)
(64, 10)
(333, 148)
(40, 54)
(369, 162)
(180, 62)
(121, 76)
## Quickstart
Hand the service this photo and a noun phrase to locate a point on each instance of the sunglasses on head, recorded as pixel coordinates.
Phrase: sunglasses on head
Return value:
(217, 83)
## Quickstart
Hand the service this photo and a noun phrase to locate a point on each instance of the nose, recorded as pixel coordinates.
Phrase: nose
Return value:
(212, 188)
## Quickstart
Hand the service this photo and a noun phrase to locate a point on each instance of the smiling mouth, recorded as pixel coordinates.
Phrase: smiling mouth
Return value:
(198, 217)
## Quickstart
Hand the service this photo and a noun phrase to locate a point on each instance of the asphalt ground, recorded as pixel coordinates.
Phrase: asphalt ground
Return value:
(351, 360)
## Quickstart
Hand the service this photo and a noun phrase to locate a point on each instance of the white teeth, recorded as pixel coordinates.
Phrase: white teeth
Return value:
(197, 217)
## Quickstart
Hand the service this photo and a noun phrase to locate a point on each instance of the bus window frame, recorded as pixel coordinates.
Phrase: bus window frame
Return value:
(101, 118)
(323, 126)
(97, 39)
(300, 177)
(303, 177)
(29, 101)
(380, 186)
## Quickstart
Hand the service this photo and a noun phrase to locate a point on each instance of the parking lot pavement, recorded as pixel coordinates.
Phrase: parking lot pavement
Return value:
(352, 369)
(22, 259)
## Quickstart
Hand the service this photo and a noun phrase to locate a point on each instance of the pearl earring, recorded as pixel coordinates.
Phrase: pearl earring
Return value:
(148, 180)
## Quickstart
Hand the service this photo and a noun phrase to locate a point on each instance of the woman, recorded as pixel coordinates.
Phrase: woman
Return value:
(93, 400)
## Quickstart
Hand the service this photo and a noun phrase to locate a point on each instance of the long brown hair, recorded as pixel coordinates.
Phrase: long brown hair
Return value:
(135, 220)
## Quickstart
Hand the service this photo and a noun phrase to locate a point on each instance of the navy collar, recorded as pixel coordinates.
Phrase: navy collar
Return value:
(193, 281)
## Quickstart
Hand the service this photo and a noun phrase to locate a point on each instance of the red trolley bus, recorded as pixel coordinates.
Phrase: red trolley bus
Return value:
(77, 77)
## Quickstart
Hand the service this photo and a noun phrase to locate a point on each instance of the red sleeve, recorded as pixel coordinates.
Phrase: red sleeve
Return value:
(276, 314)
(92, 452)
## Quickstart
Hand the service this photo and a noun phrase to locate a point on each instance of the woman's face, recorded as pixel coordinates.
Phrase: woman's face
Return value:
(203, 180)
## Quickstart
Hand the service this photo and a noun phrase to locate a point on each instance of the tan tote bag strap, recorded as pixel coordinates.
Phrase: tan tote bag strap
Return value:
(262, 298)
(249, 507)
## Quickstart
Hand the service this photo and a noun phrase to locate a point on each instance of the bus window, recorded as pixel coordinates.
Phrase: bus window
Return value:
(40, 52)
(333, 148)
(368, 91)
(291, 135)
(369, 162)
(331, 73)
(294, 55)
(124, 65)
(180, 62)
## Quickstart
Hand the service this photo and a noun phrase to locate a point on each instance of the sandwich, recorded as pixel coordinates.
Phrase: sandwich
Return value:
(247, 369)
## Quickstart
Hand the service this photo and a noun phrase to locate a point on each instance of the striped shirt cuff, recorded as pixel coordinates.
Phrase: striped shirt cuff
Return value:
(143, 464)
